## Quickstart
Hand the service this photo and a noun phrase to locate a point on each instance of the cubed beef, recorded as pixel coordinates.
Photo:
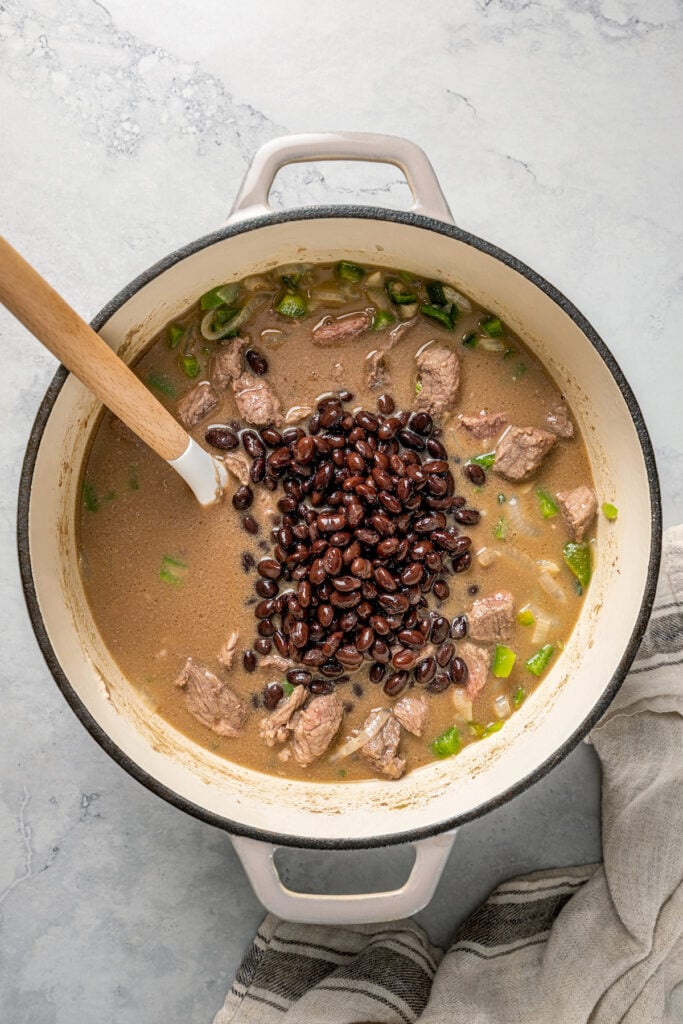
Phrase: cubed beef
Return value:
(210, 700)
(412, 712)
(439, 370)
(478, 661)
(276, 727)
(227, 362)
(238, 465)
(492, 619)
(380, 753)
(226, 654)
(558, 421)
(521, 450)
(484, 426)
(196, 404)
(330, 331)
(256, 401)
(378, 375)
(275, 661)
(578, 508)
(315, 728)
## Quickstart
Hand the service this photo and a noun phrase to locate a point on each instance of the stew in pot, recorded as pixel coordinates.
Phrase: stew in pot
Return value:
(405, 550)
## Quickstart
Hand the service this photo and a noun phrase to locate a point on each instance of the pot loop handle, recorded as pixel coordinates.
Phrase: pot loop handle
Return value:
(252, 197)
(258, 861)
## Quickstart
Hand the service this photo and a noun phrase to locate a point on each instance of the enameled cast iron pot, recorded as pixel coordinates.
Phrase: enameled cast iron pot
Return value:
(424, 807)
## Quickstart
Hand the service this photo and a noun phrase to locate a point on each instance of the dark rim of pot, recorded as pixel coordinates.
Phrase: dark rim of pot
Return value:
(411, 835)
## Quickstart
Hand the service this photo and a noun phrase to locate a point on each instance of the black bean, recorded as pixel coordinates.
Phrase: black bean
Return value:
(409, 439)
(269, 568)
(272, 695)
(459, 627)
(380, 625)
(395, 683)
(279, 459)
(299, 634)
(458, 671)
(463, 562)
(265, 628)
(404, 659)
(321, 687)
(386, 404)
(221, 437)
(444, 654)
(376, 674)
(252, 444)
(242, 498)
(328, 522)
(474, 473)
(263, 645)
(298, 677)
(468, 516)
(250, 524)
(271, 437)
(385, 579)
(258, 363)
(439, 683)
(394, 603)
(412, 574)
(425, 670)
(333, 561)
(266, 588)
(331, 668)
(264, 609)
(257, 471)
(440, 629)
(429, 522)
(441, 589)
(422, 423)
(345, 584)
(436, 449)
(249, 661)
(349, 657)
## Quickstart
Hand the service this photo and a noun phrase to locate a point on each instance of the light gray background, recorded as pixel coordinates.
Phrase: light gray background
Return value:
(555, 129)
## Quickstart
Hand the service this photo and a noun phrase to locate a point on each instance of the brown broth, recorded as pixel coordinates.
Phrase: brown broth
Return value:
(144, 512)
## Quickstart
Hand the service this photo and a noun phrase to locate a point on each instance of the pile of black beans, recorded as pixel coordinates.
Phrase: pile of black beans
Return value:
(371, 527)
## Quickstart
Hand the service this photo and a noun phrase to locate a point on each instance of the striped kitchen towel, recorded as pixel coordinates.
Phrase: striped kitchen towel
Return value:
(598, 944)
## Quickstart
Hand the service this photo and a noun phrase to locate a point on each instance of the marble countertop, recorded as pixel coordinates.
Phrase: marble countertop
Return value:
(555, 130)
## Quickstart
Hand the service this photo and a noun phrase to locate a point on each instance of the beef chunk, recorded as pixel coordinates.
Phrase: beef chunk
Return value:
(439, 369)
(227, 362)
(276, 727)
(315, 728)
(211, 701)
(378, 376)
(256, 401)
(196, 404)
(558, 421)
(492, 619)
(380, 753)
(578, 508)
(226, 655)
(238, 466)
(341, 328)
(521, 451)
(412, 712)
(484, 426)
(275, 661)
(478, 661)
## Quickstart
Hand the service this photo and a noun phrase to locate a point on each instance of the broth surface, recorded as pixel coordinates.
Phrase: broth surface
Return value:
(167, 579)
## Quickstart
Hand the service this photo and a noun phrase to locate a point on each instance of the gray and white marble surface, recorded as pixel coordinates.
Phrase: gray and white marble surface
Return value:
(555, 129)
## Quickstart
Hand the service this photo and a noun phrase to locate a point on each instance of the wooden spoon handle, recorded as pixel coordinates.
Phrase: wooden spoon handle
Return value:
(54, 323)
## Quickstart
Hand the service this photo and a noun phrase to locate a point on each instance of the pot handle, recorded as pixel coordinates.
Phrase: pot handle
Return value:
(252, 197)
(258, 861)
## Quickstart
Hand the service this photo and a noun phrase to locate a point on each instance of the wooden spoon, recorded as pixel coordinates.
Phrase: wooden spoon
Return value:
(37, 305)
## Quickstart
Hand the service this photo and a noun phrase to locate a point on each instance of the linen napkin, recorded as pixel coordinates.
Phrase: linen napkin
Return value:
(597, 944)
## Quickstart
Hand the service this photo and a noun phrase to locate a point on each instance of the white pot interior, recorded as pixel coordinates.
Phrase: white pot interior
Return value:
(444, 790)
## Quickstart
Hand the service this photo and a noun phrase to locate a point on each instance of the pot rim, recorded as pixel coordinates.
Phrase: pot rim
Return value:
(411, 835)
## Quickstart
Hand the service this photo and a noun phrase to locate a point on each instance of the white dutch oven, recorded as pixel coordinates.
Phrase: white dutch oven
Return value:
(424, 807)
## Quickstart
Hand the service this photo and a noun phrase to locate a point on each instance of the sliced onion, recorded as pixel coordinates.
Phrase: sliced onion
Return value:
(547, 566)
(298, 413)
(502, 706)
(250, 308)
(451, 295)
(544, 626)
(552, 587)
(519, 521)
(257, 283)
(378, 297)
(491, 344)
(374, 280)
(328, 295)
(374, 723)
(487, 556)
(461, 704)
